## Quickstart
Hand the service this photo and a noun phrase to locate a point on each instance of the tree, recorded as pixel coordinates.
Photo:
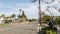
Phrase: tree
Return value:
(45, 17)
(48, 1)
(19, 16)
(57, 20)
(23, 14)
(13, 15)
(49, 10)
(2, 15)
(20, 9)
(40, 15)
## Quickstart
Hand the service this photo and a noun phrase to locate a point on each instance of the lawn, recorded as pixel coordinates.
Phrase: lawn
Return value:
(51, 32)
(6, 24)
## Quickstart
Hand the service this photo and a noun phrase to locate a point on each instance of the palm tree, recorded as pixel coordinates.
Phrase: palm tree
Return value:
(23, 14)
(20, 11)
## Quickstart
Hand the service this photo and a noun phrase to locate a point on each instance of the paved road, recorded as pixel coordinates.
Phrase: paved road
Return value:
(29, 28)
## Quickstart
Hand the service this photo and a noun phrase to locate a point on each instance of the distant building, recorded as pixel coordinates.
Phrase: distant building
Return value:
(5, 19)
(1, 19)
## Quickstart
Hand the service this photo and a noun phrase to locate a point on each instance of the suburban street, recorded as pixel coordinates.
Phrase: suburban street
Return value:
(26, 28)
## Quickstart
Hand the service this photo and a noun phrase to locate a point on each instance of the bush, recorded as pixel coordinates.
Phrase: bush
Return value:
(48, 30)
(30, 20)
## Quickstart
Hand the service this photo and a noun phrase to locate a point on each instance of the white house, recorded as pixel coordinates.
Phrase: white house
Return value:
(1, 19)
(4, 19)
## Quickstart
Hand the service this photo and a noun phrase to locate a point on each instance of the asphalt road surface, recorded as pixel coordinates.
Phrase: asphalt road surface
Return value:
(29, 28)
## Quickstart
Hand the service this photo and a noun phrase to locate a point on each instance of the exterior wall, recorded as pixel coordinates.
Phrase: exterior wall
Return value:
(1, 19)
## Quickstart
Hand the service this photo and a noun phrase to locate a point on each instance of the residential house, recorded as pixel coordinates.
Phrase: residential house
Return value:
(6, 19)
(1, 19)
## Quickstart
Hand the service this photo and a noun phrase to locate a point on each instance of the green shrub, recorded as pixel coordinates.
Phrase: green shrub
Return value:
(53, 30)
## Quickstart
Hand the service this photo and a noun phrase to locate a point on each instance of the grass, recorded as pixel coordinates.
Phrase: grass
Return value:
(6, 24)
(54, 33)
(51, 32)
(2, 24)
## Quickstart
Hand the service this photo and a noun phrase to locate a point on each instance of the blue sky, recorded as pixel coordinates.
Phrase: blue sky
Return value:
(9, 7)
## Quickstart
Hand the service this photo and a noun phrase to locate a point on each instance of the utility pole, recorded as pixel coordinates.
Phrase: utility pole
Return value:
(40, 12)
(39, 8)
